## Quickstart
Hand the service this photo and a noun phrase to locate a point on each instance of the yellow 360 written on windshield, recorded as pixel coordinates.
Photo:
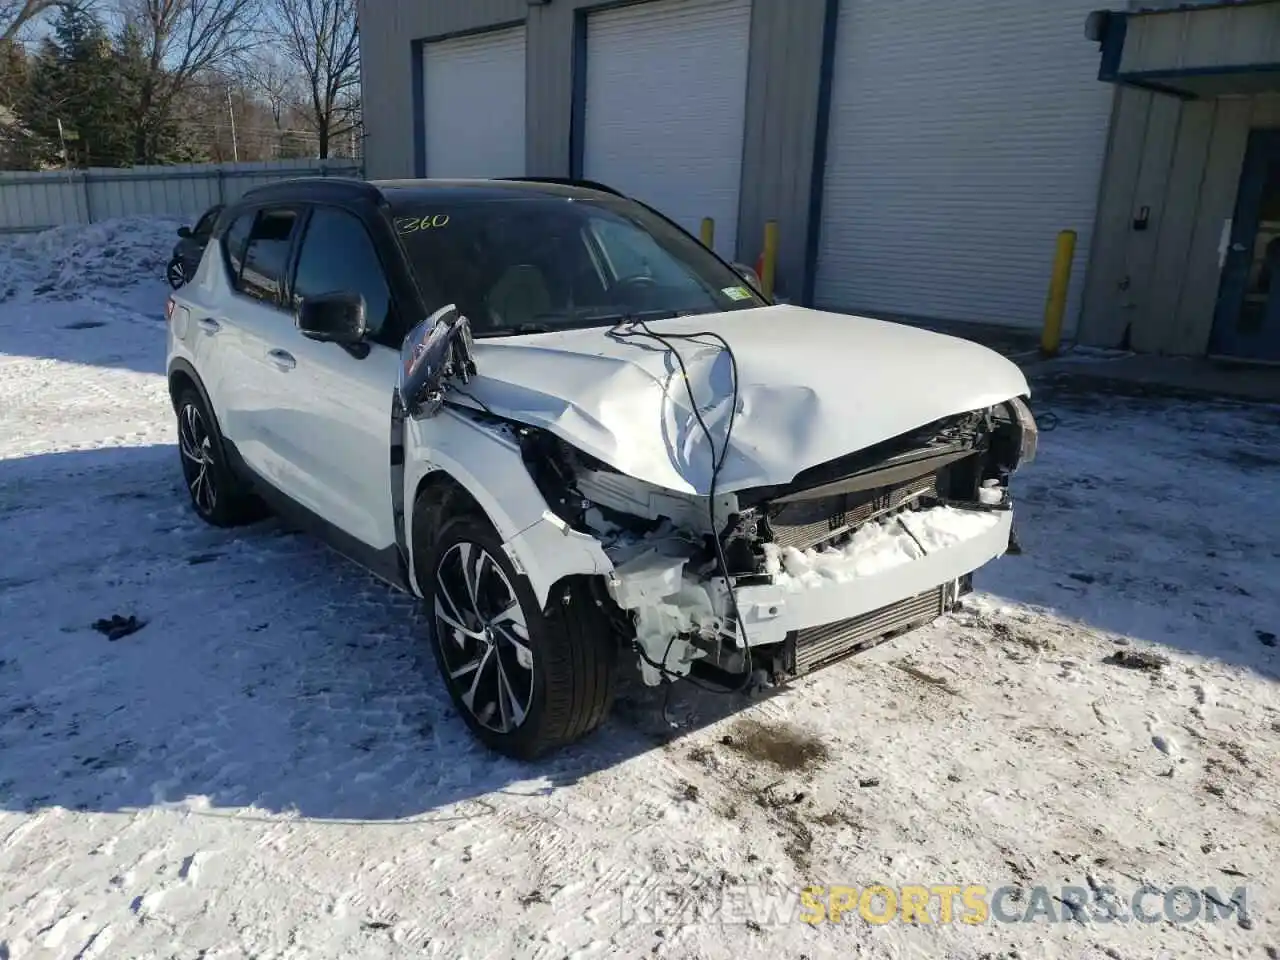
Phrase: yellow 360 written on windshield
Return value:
(433, 221)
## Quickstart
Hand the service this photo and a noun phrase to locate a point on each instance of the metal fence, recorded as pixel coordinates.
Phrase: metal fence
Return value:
(38, 200)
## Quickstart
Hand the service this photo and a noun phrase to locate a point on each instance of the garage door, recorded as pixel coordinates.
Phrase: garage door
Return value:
(666, 97)
(963, 137)
(474, 92)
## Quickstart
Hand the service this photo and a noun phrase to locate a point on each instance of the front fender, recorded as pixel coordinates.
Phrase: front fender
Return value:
(487, 463)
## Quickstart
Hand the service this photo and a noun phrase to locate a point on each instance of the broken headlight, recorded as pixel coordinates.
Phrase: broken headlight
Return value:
(1026, 435)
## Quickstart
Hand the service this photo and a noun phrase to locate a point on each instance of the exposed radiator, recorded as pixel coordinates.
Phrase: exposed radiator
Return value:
(808, 523)
(819, 646)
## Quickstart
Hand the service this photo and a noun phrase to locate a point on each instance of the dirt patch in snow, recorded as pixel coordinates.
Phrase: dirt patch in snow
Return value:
(786, 747)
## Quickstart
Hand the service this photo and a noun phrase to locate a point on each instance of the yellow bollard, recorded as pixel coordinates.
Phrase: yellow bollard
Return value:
(708, 233)
(770, 257)
(1056, 304)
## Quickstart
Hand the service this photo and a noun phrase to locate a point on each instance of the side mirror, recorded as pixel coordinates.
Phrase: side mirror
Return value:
(749, 275)
(333, 318)
(184, 232)
(438, 348)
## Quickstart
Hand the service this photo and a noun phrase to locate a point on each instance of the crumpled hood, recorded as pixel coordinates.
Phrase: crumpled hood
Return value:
(813, 386)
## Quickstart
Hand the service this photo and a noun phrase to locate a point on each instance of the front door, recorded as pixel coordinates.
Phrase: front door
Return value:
(339, 403)
(1246, 325)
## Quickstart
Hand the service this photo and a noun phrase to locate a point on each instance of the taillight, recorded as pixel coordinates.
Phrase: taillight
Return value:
(168, 309)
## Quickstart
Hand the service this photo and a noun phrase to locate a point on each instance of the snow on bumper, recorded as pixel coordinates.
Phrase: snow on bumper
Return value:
(884, 563)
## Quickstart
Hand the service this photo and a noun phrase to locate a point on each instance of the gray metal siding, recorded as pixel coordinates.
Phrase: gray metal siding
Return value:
(550, 93)
(783, 76)
(1183, 160)
(1195, 39)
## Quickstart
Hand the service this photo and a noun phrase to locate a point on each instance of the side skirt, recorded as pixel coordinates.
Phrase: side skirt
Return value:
(388, 564)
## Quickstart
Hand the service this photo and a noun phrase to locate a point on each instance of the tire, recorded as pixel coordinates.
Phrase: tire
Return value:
(217, 495)
(176, 273)
(565, 692)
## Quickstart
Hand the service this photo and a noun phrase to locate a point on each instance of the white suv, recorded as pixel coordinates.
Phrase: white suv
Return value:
(575, 432)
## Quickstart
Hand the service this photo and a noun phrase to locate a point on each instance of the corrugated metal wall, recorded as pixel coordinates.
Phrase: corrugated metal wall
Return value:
(783, 85)
(1241, 35)
(49, 198)
(1183, 161)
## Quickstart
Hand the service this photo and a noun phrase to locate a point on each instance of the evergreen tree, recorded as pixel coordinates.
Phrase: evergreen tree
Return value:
(39, 103)
(75, 81)
(14, 72)
(18, 148)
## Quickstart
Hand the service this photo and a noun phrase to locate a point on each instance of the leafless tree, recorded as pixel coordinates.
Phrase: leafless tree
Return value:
(15, 14)
(182, 40)
(322, 42)
(276, 82)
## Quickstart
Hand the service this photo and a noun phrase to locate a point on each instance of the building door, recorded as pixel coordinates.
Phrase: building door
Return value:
(474, 96)
(1247, 322)
(666, 104)
(964, 136)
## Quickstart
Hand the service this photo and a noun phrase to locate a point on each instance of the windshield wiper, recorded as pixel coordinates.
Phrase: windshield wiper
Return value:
(513, 331)
(636, 317)
(577, 323)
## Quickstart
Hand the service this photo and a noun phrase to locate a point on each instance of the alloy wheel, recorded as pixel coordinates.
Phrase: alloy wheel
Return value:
(177, 274)
(483, 638)
(196, 447)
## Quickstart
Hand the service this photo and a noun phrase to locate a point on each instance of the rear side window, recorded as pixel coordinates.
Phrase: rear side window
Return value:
(233, 241)
(267, 255)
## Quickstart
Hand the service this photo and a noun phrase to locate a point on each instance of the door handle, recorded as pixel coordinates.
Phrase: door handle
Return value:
(1239, 247)
(282, 359)
(209, 325)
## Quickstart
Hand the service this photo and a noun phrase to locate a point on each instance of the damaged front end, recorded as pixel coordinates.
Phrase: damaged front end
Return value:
(849, 553)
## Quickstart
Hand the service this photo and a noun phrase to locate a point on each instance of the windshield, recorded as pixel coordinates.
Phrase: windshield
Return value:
(536, 263)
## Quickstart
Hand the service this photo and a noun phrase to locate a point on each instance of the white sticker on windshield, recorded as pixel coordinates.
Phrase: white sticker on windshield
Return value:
(737, 293)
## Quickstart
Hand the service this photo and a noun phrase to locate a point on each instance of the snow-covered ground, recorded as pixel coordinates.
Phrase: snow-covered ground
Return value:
(270, 766)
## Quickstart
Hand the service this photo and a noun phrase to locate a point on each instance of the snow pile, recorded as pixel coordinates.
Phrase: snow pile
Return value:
(876, 547)
(83, 262)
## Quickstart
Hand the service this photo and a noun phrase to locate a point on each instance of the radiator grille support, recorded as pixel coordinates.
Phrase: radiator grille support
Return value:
(817, 647)
(808, 524)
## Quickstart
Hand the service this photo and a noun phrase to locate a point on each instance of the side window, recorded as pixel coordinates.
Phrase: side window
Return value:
(338, 256)
(267, 255)
(233, 241)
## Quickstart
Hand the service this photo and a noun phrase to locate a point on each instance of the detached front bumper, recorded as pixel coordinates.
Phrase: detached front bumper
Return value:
(777, 613)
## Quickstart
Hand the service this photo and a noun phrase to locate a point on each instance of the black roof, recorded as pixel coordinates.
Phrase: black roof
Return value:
(401, 192)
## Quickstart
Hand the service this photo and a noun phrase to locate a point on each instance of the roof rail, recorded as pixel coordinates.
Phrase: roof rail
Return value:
(568, 182)
(351, 185)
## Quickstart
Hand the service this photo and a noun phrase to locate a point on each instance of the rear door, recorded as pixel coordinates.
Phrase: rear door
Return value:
(254, 365)
(215, 343)
(338, 402)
